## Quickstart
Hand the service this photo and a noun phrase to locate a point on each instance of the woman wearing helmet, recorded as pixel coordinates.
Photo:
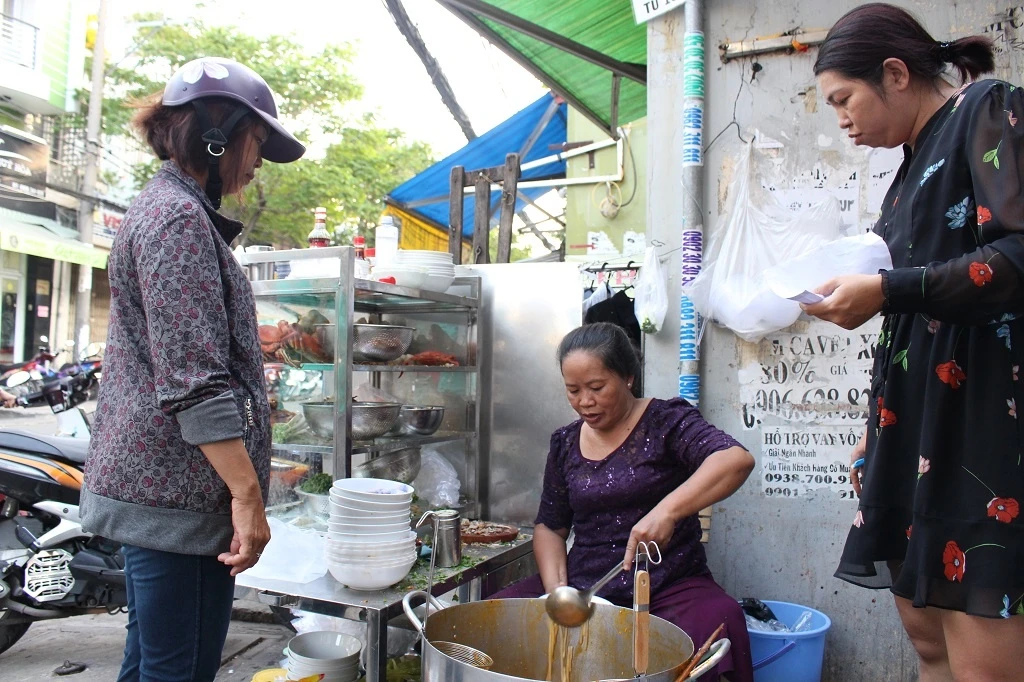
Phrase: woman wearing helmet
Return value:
(179, 461)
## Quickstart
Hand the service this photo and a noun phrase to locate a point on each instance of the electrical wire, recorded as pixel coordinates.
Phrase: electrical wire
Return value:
(632, 165)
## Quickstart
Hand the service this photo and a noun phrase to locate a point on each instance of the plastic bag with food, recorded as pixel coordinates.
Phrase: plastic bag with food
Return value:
(651, 302)
(438, 482)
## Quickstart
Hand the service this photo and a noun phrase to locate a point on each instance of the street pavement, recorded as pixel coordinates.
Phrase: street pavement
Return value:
(254, 643)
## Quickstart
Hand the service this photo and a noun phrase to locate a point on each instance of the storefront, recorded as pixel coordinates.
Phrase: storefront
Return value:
(38, 268)
(38, 255)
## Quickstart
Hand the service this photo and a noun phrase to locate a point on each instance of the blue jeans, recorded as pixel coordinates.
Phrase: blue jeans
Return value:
(179, 609)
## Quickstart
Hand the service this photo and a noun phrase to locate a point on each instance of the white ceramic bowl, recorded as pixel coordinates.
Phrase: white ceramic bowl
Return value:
(359, 529)
(381, 556)
(407, 538)
(438, 283)
(323, 647)
(353, 517)
(370, 577)
(334, 536)
(374, 490)
(421, 253)
(385, 552)
(346, 673)
(411, 275)
(372, 508)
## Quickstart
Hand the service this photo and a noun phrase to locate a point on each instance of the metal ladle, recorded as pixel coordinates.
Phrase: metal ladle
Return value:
(571, 608)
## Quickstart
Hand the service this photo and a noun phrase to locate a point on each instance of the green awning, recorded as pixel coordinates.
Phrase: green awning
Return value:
(37, 240)
(591, 53)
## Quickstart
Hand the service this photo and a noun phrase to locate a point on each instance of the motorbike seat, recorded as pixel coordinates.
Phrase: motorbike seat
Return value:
(4, 369)
(72, 450)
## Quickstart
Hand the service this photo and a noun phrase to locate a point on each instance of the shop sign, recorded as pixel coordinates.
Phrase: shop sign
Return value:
(645, 10)
(55, 249)
(23, 161)
(105, 224)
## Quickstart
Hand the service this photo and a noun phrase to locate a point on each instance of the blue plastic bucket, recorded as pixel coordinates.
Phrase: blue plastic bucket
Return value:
(790, 656)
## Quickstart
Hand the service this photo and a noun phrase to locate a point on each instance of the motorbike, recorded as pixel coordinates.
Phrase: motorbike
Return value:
(23, 377)
(49, 567)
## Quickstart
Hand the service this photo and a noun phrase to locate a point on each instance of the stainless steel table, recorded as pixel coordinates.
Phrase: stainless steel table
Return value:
(498, 566)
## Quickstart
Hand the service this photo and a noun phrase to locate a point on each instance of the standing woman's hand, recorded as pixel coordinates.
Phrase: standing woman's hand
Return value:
(252, 533)
(856, 472)
(850, 300)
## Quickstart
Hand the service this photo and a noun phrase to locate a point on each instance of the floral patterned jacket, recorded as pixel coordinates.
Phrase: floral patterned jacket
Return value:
(182, 368)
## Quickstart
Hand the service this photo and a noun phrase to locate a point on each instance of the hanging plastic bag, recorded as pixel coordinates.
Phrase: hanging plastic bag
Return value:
(651, 302)
(754, 233)
(438, 481)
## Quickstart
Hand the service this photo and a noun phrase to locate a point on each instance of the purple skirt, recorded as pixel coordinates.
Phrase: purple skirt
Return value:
(697, 605)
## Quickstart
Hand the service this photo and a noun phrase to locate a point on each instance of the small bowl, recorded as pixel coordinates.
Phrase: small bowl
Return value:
(412, 276)
(419, 420)
(342, 499)
(342, 515)
(323, 647)
(370, 577)
(358, 529)
(374, 490)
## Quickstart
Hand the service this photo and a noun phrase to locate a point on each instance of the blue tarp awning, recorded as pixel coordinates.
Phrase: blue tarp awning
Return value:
(426, 194)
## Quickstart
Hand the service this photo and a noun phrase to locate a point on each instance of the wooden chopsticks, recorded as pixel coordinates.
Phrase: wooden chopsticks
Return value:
(695, 659)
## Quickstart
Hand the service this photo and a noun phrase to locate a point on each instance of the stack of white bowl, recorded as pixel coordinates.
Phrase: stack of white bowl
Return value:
(331, 654)
(440, 267)
(370, 545)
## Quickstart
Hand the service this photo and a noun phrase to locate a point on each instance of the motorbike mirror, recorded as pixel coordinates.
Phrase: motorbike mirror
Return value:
(44, 339)
(93, 349)
(69, 344)
(18, 378)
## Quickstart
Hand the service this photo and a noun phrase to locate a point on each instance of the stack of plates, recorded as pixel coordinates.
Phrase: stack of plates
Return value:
(370, 545)
(331, 654)
(440, 269)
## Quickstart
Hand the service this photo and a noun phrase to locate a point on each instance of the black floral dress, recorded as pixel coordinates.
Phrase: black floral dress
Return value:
(939, 519)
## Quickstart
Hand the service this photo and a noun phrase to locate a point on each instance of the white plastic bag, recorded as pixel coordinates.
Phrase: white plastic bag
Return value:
(651, 302)
(437, 482)
(756, 232)
(292, 554)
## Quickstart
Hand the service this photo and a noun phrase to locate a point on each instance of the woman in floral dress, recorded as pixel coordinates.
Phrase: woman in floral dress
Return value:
(943, 474)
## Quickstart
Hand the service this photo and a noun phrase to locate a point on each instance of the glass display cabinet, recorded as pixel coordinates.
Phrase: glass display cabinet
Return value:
(364, 376)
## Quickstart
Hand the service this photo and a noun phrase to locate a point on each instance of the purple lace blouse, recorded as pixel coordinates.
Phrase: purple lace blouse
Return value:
(602, 500)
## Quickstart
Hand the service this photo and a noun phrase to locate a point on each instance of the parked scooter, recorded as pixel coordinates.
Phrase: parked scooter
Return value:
(49, 567)
(64, 390)
(24, 377)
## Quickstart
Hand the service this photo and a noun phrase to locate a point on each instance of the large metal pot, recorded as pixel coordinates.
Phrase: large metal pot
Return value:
(516, 633)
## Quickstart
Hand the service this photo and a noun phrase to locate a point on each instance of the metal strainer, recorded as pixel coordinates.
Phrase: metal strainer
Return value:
(380, 342)
(373, 419)
(465, 654)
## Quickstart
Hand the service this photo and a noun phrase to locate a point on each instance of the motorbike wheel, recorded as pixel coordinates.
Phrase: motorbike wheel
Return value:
(10, 634)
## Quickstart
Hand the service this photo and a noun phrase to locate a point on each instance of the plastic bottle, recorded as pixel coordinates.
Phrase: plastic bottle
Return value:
(319, 237)
(387, 242)
(803, 622)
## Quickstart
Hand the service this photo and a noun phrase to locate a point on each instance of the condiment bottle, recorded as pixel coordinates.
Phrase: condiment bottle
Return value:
(319, 237)
(359, 244)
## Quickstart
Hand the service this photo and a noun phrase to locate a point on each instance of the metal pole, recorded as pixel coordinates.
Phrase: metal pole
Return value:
(693, 196)
(86, 206)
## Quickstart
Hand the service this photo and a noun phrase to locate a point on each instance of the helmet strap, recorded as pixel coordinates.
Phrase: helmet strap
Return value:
(216, 139)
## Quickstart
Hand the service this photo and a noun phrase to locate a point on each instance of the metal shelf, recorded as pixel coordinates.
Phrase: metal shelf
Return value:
(410, 368)
(327, 367)
(360, 447)
(289, 447)
(383, 444)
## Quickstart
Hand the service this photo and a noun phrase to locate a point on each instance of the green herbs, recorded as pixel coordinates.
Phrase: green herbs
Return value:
(317, 484)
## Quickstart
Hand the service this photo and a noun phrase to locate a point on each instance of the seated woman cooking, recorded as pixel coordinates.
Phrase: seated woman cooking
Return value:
(635, 470)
